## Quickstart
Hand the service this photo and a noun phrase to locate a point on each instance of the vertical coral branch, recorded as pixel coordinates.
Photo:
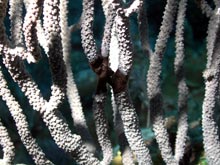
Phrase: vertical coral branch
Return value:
(125, 45)
(7, 145)
(153, 83)
(88, 41)
(131, 128)
(182, 87)
(211, 37)
(127, 155)
(106, 41)
(102, 127)
(99, 64)
(217, 3)
(72, 91)
(29, 28)
(206, 9)
(210, 130)
(120, 79)
(211, 75)
(15, 12)
(55, 54)
(3, 37)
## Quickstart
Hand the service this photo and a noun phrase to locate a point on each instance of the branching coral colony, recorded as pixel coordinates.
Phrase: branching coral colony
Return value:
(43, 28)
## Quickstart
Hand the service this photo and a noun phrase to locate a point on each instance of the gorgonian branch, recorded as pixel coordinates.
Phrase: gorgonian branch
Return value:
(126, 153)
(211, 37)
(106, 40)
(29, 28)
(102, 127)
(134, 7)
(124, 40)
(3, 37)
(182, 87)
(15, 12)
(120, 79)
(153, 83)
(55, 54)
(211, 75)
(217, 3)
(131, 128)
(205, 7)
(72, 91)
(7, 145)
(88, 41)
